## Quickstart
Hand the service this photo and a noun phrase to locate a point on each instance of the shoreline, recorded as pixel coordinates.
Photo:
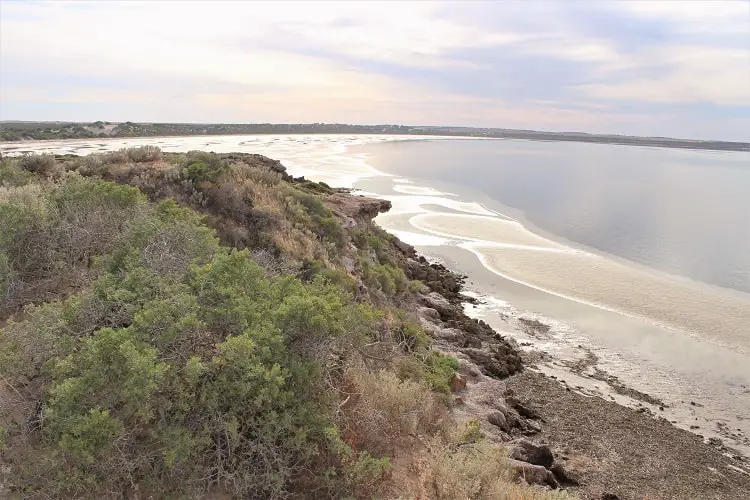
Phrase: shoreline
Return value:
(569, 355)
(435, 133)
(607, 449)
(499, 388)
(698, 411)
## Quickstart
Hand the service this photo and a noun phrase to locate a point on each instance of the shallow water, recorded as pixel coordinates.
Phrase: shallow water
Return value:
(682, 212)
(670, 336)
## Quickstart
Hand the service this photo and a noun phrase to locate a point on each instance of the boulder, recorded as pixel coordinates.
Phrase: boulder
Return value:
(428, 313)
(562, 475)
(536, 454)
(529, 427)
(428, 326)
(436, 301)
(533, 474)
(490, 363)
(446, 333)
(498, 419)
(522, 409)
(458, 382)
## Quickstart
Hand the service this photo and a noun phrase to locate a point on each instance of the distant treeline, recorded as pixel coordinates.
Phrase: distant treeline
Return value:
(20, 131)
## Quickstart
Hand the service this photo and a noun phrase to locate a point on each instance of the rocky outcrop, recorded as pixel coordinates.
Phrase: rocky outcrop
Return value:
(534, 474)
(537, 454)
(437, 277)
(486, 357)
(356, 210)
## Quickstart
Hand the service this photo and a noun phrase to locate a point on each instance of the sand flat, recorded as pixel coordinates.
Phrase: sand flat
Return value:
(609, 284)
(487, 229)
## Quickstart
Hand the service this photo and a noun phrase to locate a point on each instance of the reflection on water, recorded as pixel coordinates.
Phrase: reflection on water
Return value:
(681, 212)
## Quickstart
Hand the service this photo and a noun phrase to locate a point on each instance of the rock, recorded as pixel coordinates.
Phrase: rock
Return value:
(492, 363)
(405, 248)
(458, 382)
(534, 474)
(358, 208)
(522, 409)
(428, 326)
(562, 475)
(458, 400)
(436, 301)
(472, 342)
(446, 333)
(349, 264)
(529, 427)
(536, 454)
(610, 496)
(428, 313)
(497, 418)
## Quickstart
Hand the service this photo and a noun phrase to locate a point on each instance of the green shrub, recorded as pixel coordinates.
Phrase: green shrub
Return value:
(143, 154)
(389, 279)
(12, 174)
(43, 164)
(116, 157)
(439, 370)
(200, 167)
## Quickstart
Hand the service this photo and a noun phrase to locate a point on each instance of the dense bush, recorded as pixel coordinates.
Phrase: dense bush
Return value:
(12, 174)
(389, 279)
(51, 233)
(143, 154)
(184, 365)
(149, 360)
(202, 166)
(43, 164)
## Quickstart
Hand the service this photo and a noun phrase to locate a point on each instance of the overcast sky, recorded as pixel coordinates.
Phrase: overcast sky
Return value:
(672, 68)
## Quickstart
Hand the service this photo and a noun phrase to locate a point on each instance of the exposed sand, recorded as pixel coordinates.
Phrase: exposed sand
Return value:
(606, 283)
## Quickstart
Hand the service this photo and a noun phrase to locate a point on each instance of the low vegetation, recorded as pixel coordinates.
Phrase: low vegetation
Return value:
(200, 325)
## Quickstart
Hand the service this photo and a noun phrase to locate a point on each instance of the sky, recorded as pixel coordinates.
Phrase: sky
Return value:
(666, 68)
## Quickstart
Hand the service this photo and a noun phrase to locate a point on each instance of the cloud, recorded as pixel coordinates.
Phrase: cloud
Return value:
(625, 67)
(695, 75)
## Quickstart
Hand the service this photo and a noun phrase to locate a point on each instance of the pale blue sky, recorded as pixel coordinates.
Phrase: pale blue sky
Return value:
(670, 67)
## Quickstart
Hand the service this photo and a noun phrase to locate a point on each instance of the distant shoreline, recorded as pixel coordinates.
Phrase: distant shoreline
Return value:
(21, 132)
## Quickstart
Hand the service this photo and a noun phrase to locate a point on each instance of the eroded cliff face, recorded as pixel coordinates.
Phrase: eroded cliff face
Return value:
(538, 419)
(486, 358)
(439, 307)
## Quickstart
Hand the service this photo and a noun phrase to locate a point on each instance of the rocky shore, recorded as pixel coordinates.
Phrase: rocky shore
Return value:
(559, 437)
(479, 393)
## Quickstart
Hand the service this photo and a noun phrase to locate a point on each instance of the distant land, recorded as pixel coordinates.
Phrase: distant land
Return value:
(27, 131)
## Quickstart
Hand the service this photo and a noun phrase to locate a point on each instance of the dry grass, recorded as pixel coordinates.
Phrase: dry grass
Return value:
(477, 471)
(382, 411)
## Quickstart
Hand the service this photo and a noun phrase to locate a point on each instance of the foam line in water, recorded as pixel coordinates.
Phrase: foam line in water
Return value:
(486, 231)
(418, 239)
(420, 190)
